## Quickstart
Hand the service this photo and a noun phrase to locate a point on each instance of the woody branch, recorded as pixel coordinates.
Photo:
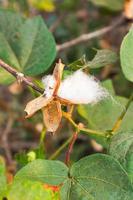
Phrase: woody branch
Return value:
(20, 76)
(88, 36)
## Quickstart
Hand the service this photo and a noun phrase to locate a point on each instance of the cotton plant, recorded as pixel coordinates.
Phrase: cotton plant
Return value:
(78, 88)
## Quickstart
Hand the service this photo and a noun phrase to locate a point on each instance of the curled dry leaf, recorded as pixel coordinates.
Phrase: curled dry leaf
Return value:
(52, 115)
(36, 104)
(57, 73)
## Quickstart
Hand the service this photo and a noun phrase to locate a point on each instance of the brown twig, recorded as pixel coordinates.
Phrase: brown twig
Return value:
(85, 37)
(19, 75)
(70, 148)
(4, 140)
(81, 128)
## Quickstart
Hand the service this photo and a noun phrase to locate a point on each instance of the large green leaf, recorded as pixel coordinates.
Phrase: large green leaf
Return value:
(25, 44)
(46, 171)
(36, 47)
(10, 23)
(7, 54)
(97, 177)
(103, 115)
(93, 177)
(126, 55)
(28, 190)
(9, 26)
(121, 147)
(115, 5)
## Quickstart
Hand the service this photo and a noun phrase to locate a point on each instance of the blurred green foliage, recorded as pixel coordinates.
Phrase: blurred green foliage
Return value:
(27, 44)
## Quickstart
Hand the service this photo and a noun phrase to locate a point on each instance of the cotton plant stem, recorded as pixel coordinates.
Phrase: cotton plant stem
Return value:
(79, 129)
(93, 132)
(120, 118)
(68, 117)
(70, 148)
(84, 130)
(60, 149)
(20, 76)
(71, 109)
(42, 136)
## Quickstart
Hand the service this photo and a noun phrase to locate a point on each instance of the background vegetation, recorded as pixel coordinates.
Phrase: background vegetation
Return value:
(79, 32)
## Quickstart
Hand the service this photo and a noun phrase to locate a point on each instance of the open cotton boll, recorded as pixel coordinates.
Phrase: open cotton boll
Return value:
(81, 88)
(49, 84)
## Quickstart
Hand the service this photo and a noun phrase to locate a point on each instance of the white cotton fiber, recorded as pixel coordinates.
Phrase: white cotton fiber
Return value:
(81, 88)
(49, 84)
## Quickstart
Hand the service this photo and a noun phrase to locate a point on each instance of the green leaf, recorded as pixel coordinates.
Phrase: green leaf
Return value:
(114, 5)
(77, 64)
(9, 24)
(109, 86)
(103, 115)
(26, 45)
(102, 58)
(28, 190)
(46, 171)
(3, 184)
(121, 148)
(7, 53)
(126, 55)
(97, 177)
(37, 48)
(93, 177)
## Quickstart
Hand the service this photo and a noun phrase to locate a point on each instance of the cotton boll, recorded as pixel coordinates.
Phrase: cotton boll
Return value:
(49, 83)
(80, 88)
